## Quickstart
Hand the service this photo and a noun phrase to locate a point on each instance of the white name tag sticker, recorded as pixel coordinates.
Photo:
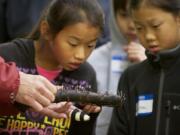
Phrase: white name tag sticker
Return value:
(119, 63)
(144, 106)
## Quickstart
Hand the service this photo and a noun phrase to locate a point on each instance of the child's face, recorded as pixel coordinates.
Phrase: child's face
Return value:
(126, 25)
(73, 44)
(157, 30)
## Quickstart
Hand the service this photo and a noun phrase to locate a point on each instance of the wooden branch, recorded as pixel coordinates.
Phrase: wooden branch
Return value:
(87, 97)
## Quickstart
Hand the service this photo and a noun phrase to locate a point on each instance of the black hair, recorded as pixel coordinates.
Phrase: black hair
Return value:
(62, 13)
(120, 5)
(172, 6)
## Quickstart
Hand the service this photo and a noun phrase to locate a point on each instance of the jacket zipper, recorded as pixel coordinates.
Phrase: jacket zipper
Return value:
(160, 93)
(168, 109)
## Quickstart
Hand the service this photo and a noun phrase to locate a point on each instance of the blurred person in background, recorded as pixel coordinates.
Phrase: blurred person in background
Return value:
(111, 59)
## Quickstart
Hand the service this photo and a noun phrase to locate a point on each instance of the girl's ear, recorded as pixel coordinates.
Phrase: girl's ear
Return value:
(45, 30)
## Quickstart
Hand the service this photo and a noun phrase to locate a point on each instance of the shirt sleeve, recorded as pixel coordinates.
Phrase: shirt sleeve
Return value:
(9, 83)
(89, 126)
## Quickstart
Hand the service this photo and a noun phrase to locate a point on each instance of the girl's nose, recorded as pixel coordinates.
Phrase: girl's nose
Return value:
(131, 25)
(80, 53)
(149, 36)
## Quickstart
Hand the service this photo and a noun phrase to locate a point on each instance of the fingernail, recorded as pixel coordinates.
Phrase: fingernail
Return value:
(86, 117)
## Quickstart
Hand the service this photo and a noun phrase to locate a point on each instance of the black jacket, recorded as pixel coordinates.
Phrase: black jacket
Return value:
(152, 90)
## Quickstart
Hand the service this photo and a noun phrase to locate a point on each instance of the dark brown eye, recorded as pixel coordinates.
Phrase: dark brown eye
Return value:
(73, 42)
(138, 28)
(156, 26)
(92, 45)
(123, 14)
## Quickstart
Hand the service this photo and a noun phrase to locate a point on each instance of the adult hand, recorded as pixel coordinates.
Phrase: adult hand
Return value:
(91, 108)
(135, 52)
(58, 110)
(35, 91)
